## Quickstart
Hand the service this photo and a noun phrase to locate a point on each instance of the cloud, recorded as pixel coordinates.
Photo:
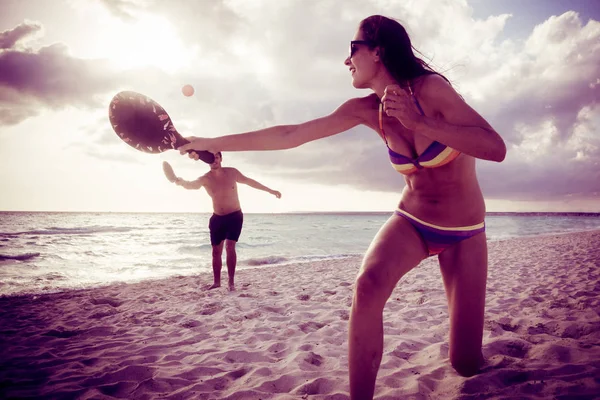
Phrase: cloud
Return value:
(266, 63)
(48, 77)
(261, 63)
(124, 9)
(542, 96)
(550, 76)
(9, 38)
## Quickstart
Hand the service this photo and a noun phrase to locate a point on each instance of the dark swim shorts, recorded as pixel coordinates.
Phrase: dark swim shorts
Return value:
(228, 226)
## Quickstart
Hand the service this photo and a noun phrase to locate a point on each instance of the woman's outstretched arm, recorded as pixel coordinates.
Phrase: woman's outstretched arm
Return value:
(283, 136)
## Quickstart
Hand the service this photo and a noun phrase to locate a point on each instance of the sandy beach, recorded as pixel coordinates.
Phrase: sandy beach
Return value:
(283, 333)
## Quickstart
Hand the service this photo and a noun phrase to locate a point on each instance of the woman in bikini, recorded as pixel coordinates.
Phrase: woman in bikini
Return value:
(433, 139)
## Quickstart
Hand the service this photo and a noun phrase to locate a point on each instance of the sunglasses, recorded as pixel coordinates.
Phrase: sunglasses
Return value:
(354, 43)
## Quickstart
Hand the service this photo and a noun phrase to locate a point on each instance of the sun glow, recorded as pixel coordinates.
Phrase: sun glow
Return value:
(149, 41)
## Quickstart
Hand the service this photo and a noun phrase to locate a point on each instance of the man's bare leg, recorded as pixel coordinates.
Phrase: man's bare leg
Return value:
(231, 262)
(217, 263)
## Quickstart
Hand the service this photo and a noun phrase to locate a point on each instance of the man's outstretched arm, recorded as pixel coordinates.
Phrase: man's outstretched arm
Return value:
(240, 178)
(196, 184)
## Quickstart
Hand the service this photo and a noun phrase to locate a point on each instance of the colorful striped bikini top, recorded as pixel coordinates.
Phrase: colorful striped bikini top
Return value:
(435, 155)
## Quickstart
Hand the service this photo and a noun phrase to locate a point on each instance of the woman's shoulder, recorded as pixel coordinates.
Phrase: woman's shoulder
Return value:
(431, 85)
(434, 92)
(359, 108)
(358, 105)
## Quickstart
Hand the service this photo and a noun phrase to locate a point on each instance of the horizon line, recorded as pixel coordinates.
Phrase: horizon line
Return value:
(295, 212)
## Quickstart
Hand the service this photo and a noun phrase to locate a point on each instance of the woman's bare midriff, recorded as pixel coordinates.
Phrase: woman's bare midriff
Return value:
(446, 196)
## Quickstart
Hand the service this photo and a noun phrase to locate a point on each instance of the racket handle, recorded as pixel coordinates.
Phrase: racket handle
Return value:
(203, 155)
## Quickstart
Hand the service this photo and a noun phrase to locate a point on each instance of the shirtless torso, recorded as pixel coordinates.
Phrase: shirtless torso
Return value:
(221, 186)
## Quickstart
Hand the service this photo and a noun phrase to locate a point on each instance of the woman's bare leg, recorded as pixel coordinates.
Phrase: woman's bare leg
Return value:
(464, 270)
(396, 249)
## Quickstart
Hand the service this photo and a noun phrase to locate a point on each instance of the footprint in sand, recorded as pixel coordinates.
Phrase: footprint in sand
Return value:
(508, 377)
(316, 387)
(497, 362)
(237, 374)
(304, 297)
(330, 292)
(276, 310)
(540, 329)
(253, 315)
(210, 309)
(578, 330)
(491, 325)
(344, 315)
(311, 326)
(62, 334)
(511, 348)
(103, 313)
(106, 300)
(148, 300)
(508, 327)
(314, 359)
(561, 303)
(190, 324)
(277, 347)
(405, 355)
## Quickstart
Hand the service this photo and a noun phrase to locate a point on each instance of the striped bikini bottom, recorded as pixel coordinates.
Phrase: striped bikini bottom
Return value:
(439, 238)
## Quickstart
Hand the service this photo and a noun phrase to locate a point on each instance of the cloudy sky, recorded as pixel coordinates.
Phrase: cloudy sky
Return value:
(532, 68)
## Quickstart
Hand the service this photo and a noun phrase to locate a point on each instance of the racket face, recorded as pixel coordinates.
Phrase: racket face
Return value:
(168, 170)
(142, 123)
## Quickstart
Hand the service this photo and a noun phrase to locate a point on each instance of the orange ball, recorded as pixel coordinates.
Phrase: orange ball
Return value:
(187, 90)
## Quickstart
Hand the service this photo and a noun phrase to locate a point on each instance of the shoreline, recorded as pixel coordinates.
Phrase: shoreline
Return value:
(283, 333)
(259, 265)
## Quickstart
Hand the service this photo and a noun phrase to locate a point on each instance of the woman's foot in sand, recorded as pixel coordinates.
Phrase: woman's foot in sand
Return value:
(214, 286)
(231, 287)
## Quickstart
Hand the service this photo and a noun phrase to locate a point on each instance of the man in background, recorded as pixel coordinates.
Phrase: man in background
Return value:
(226, 222)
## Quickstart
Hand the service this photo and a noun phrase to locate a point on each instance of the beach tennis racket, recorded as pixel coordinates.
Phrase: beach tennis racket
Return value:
(144, 125)
(169, 173)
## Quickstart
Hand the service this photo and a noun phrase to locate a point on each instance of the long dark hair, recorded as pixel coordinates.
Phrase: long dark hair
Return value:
(396, 50)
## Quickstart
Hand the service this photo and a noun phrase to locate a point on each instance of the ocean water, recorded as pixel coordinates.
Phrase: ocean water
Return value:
(48, 252)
